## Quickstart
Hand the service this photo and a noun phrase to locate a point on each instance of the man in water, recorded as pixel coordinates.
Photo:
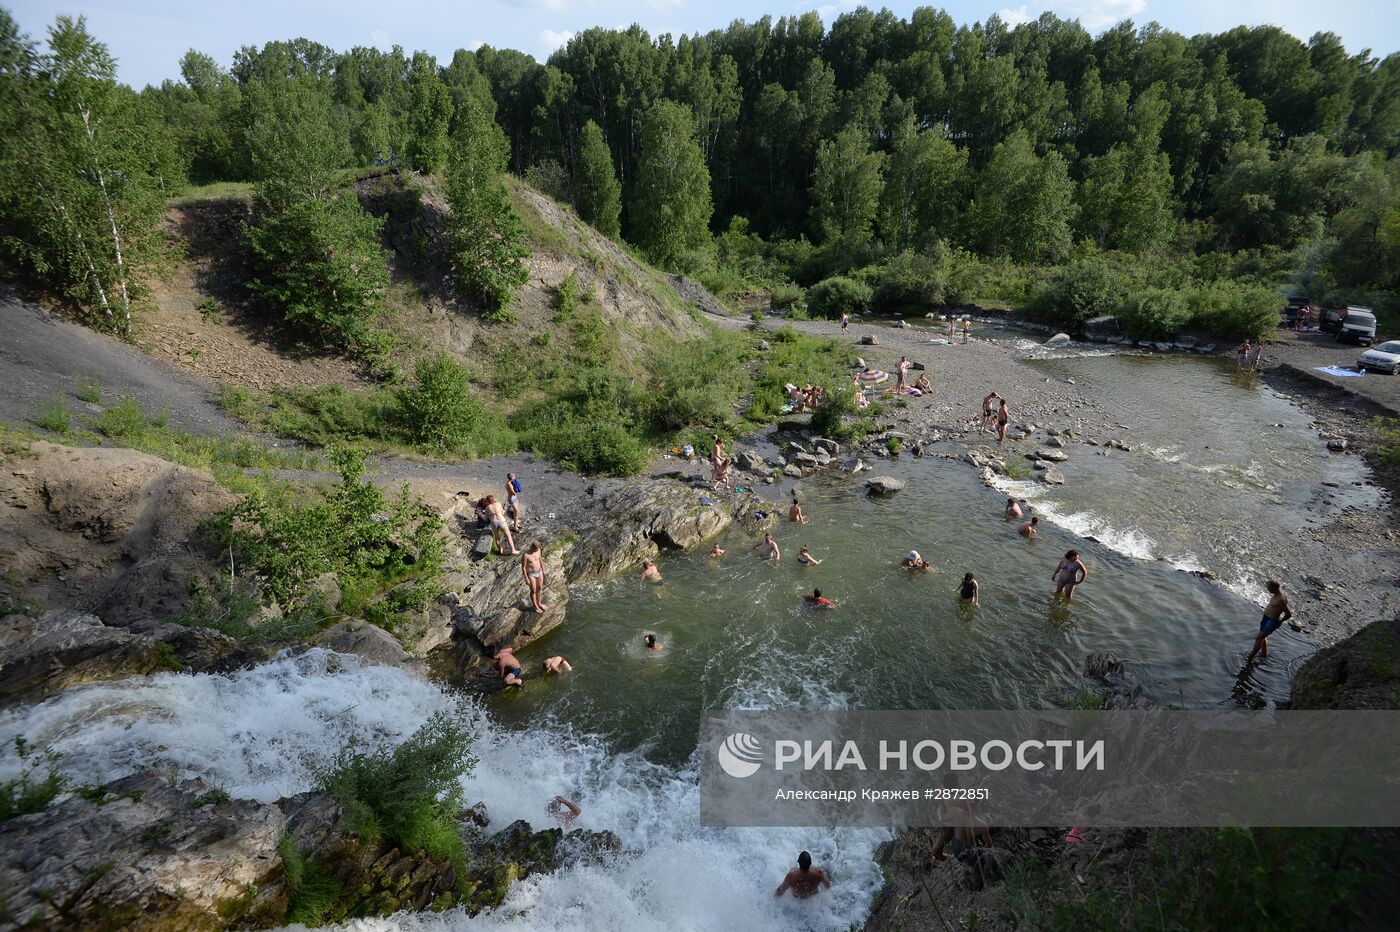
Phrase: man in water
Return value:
(532, 568)
(509, 668)
(557, 664)
(767, 548)
(817, 600)
(804, 880)
(1027, 530)
(649, 642)
(649, 571)
(987, 411)
(1013, 509)
(795, 514)
(563, 810)
(716, 551)
(1275, 614)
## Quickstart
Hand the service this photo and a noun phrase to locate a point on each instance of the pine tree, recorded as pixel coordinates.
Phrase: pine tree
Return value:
(488, 239)
(671, 204)
(597, 193)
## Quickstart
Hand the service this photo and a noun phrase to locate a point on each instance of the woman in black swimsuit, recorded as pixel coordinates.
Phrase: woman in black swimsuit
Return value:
(968, 591)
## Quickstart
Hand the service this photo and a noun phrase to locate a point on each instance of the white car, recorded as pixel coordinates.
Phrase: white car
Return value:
(1385, 358)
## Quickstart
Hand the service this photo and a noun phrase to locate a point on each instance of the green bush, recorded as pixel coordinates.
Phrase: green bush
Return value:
(784, 295)
(122, 419)
(351, 529)
(1233, 311)
(830, 419)
(439, 411)
(89, 390)
(31, 792)
(592, 446)
(234, 607)
(407, 797)
(1088, 288)
(832, 296)
(1154, 314)
(54, 416)
(694, 383)
(568, 298)
(905, 282)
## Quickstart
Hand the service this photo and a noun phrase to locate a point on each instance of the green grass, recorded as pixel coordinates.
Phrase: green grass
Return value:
(311, 894)
(37, 784)
(217, 191)
(54, 416)
(89, 390)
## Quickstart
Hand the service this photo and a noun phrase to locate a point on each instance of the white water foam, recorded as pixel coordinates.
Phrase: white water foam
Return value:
(1132, 542)
(256, 733)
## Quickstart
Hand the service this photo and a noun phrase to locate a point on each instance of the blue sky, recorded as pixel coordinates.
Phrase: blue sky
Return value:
(149, 36)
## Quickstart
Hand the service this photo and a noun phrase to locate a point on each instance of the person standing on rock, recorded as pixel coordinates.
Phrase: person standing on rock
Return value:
(1275, 614)
(768, 548)
(1069, 572)
(1003, 419)
(500, 527)
(532, 568)
(513, 490)
(719, 463)
(988, 411)
(902, 373)
(804, 880)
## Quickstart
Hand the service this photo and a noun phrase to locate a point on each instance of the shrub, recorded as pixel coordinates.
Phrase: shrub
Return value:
(407, 797)
(30, 792)
(351, 529)
(829, 420)
(1154, 314)
(89, 390)
(784, 295)
(906, 281)
(233, 607)
(123, 419)
(1234, 311)
(594, 446)
(692, 383)
(54, 416)
(439, 411)
(832, 296)
(1085, 289)
(568, 298)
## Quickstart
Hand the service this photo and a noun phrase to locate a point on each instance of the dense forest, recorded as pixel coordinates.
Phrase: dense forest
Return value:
(883, 163)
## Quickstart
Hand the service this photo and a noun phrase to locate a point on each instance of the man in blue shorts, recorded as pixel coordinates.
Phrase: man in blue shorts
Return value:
(1275, 614)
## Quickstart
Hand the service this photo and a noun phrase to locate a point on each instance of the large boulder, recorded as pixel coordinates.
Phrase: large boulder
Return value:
(1049, 455)
(1052, 476)
(1101, 329)
(884, 485)
(371, 643)
(750, 461)
(107, 531)
(638, 519)
(1059, 339)
(490, 605)
(144, 854)
(1362, 672)
(40, 657)
(518, 851)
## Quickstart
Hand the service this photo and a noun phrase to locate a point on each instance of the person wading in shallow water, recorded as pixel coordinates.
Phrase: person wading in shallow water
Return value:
(1275, 614)
(988, 412)
(804, 880)
(1069, 572)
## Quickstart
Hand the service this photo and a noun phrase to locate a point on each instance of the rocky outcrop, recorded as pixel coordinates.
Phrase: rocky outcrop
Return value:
(107, 531)
(145, 854)
(516, 852)
(1101, 329)
(42, 656)
(884, 485)
(372, 644)
(1362, 672)
(489, 604)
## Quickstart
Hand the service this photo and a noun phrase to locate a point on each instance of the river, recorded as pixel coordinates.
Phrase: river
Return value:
(1211, 476)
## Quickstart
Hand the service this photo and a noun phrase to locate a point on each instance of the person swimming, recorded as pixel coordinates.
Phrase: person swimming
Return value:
(649, 571)
(795, 514)
(968, 590)
(805, 557)
(557, 664)
(1027, 530)
(716, 551)
(817, 600)
(650, 643)
(1013, 509)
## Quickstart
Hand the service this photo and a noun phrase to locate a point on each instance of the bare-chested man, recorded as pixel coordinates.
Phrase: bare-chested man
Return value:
(1027, 530)
(988, 411)
(557, 664)
(532, 568)
(509, 668)
(1275, 614)
(563, 810)
(804, 880)
(500, 527)
(968, 836)
(649, 571)
(902, 373)
(795, 514)
(1013, 509)
(767, 548)
(1003, 419)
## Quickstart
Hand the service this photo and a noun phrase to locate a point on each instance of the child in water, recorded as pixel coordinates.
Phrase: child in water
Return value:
(968, 591)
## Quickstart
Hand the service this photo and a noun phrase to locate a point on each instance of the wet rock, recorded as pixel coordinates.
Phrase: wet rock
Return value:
(1101, 329)
(153, 850)
(1040, 465)
(1054, 442)
(793, 471)
(794, 447)
(1097, 666)
(518, 851)
(884, 485)
(1358, 673)
(829, 447)
(1059, 339)
(370, 643)
(806, 460)
(1052, 476)
(492, 606)
(853, 465)
(1337, 444)
(1054, 456)
(40, 657)
(1162, 347)
(750, 461)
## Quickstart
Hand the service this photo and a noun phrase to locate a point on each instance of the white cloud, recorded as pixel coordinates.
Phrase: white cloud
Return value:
(380, 40)
(1016, 17)
(474, 44)
(551, 40)
(829, 11)
(557, 6)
